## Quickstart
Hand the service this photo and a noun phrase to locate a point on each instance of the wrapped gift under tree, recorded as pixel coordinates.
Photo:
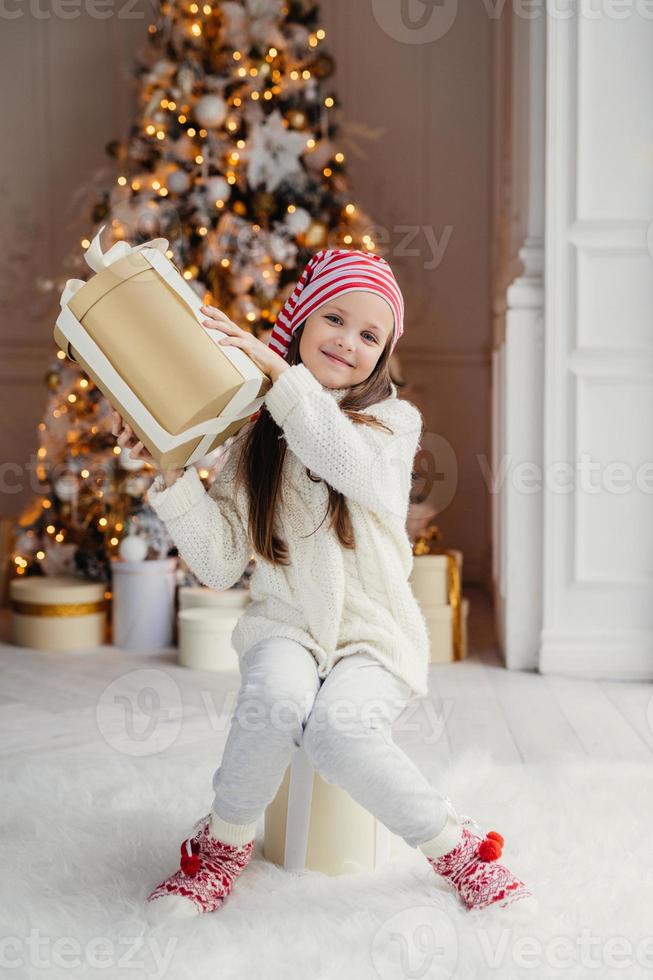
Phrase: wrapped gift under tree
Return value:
(53, 612)
(206, 619)
(143, 605)
(436, 580)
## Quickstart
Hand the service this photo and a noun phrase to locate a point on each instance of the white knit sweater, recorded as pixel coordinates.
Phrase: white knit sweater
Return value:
(333, 600)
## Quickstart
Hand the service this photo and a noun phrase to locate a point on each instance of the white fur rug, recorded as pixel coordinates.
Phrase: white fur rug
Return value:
(87, 833)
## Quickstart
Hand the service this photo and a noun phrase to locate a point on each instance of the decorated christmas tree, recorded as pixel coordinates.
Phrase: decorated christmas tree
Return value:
(234, 158)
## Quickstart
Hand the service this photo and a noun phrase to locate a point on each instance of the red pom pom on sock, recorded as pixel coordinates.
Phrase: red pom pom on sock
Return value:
(489, 849)
(495, 835)
(190, 863)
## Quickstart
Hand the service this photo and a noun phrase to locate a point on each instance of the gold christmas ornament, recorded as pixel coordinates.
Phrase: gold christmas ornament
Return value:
(316, 234)
(297, 119)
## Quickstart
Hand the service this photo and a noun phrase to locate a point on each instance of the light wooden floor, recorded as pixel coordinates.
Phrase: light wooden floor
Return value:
(48, 702)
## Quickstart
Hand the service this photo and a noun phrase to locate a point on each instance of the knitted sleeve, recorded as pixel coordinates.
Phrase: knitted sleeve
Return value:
(208, 528)
(367, 464)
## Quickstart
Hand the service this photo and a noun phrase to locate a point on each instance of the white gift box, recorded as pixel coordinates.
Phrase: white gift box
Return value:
(192, 596)
(136, 329)
(143, 608)
(313, 825)
(204, 637)
(429, 579)
(440, 626)
(206, 619)
(57, 612)
(433, 583)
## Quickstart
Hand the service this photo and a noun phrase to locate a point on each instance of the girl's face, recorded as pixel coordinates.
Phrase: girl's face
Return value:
(354, 327)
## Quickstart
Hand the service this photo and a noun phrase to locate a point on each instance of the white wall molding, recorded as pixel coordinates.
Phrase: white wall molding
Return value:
(618, 235)
(589, 653)
(517, 372)
(611, 364)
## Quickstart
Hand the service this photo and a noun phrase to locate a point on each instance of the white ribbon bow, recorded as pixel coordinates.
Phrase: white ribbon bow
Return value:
(98, 260)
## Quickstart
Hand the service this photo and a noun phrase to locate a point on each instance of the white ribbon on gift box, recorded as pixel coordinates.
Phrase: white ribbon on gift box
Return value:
(300, 794)
(243, 404)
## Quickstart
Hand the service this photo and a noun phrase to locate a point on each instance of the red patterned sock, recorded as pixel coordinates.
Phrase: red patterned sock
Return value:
(207, 872)
(471, 866)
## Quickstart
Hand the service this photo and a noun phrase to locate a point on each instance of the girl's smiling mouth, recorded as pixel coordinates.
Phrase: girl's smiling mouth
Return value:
(336, 360)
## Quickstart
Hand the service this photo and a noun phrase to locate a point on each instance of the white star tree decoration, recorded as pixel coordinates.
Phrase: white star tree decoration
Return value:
(274, 152)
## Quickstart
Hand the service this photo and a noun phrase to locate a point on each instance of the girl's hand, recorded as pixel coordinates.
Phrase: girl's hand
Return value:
(125, 436)
(127, 440)
(265, 358)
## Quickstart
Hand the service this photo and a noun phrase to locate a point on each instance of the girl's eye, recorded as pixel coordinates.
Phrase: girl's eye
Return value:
(334, 316)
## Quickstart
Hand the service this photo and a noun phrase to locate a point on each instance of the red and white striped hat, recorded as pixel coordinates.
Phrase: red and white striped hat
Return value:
(331, 272)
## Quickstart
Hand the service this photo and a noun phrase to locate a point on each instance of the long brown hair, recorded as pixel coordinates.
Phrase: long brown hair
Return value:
(263, 450)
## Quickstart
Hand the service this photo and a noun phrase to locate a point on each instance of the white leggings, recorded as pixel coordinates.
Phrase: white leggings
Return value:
(344, 723)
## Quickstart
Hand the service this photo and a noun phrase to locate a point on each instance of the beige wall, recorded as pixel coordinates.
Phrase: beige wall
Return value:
(425, 179)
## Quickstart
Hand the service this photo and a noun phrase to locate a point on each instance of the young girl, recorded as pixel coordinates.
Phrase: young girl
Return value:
(316, 486)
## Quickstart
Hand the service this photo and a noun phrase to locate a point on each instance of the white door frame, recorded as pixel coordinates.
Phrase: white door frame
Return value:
(573, 570)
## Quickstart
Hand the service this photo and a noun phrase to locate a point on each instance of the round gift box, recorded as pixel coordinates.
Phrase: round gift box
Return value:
(205, 638)
(143, 608)
(201, 596)
(57, 612)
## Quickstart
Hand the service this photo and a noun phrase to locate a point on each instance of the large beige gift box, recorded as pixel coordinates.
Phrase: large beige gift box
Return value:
(314, 825)
(136, 329)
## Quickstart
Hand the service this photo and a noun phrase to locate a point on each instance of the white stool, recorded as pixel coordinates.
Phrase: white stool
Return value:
(312, 825)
